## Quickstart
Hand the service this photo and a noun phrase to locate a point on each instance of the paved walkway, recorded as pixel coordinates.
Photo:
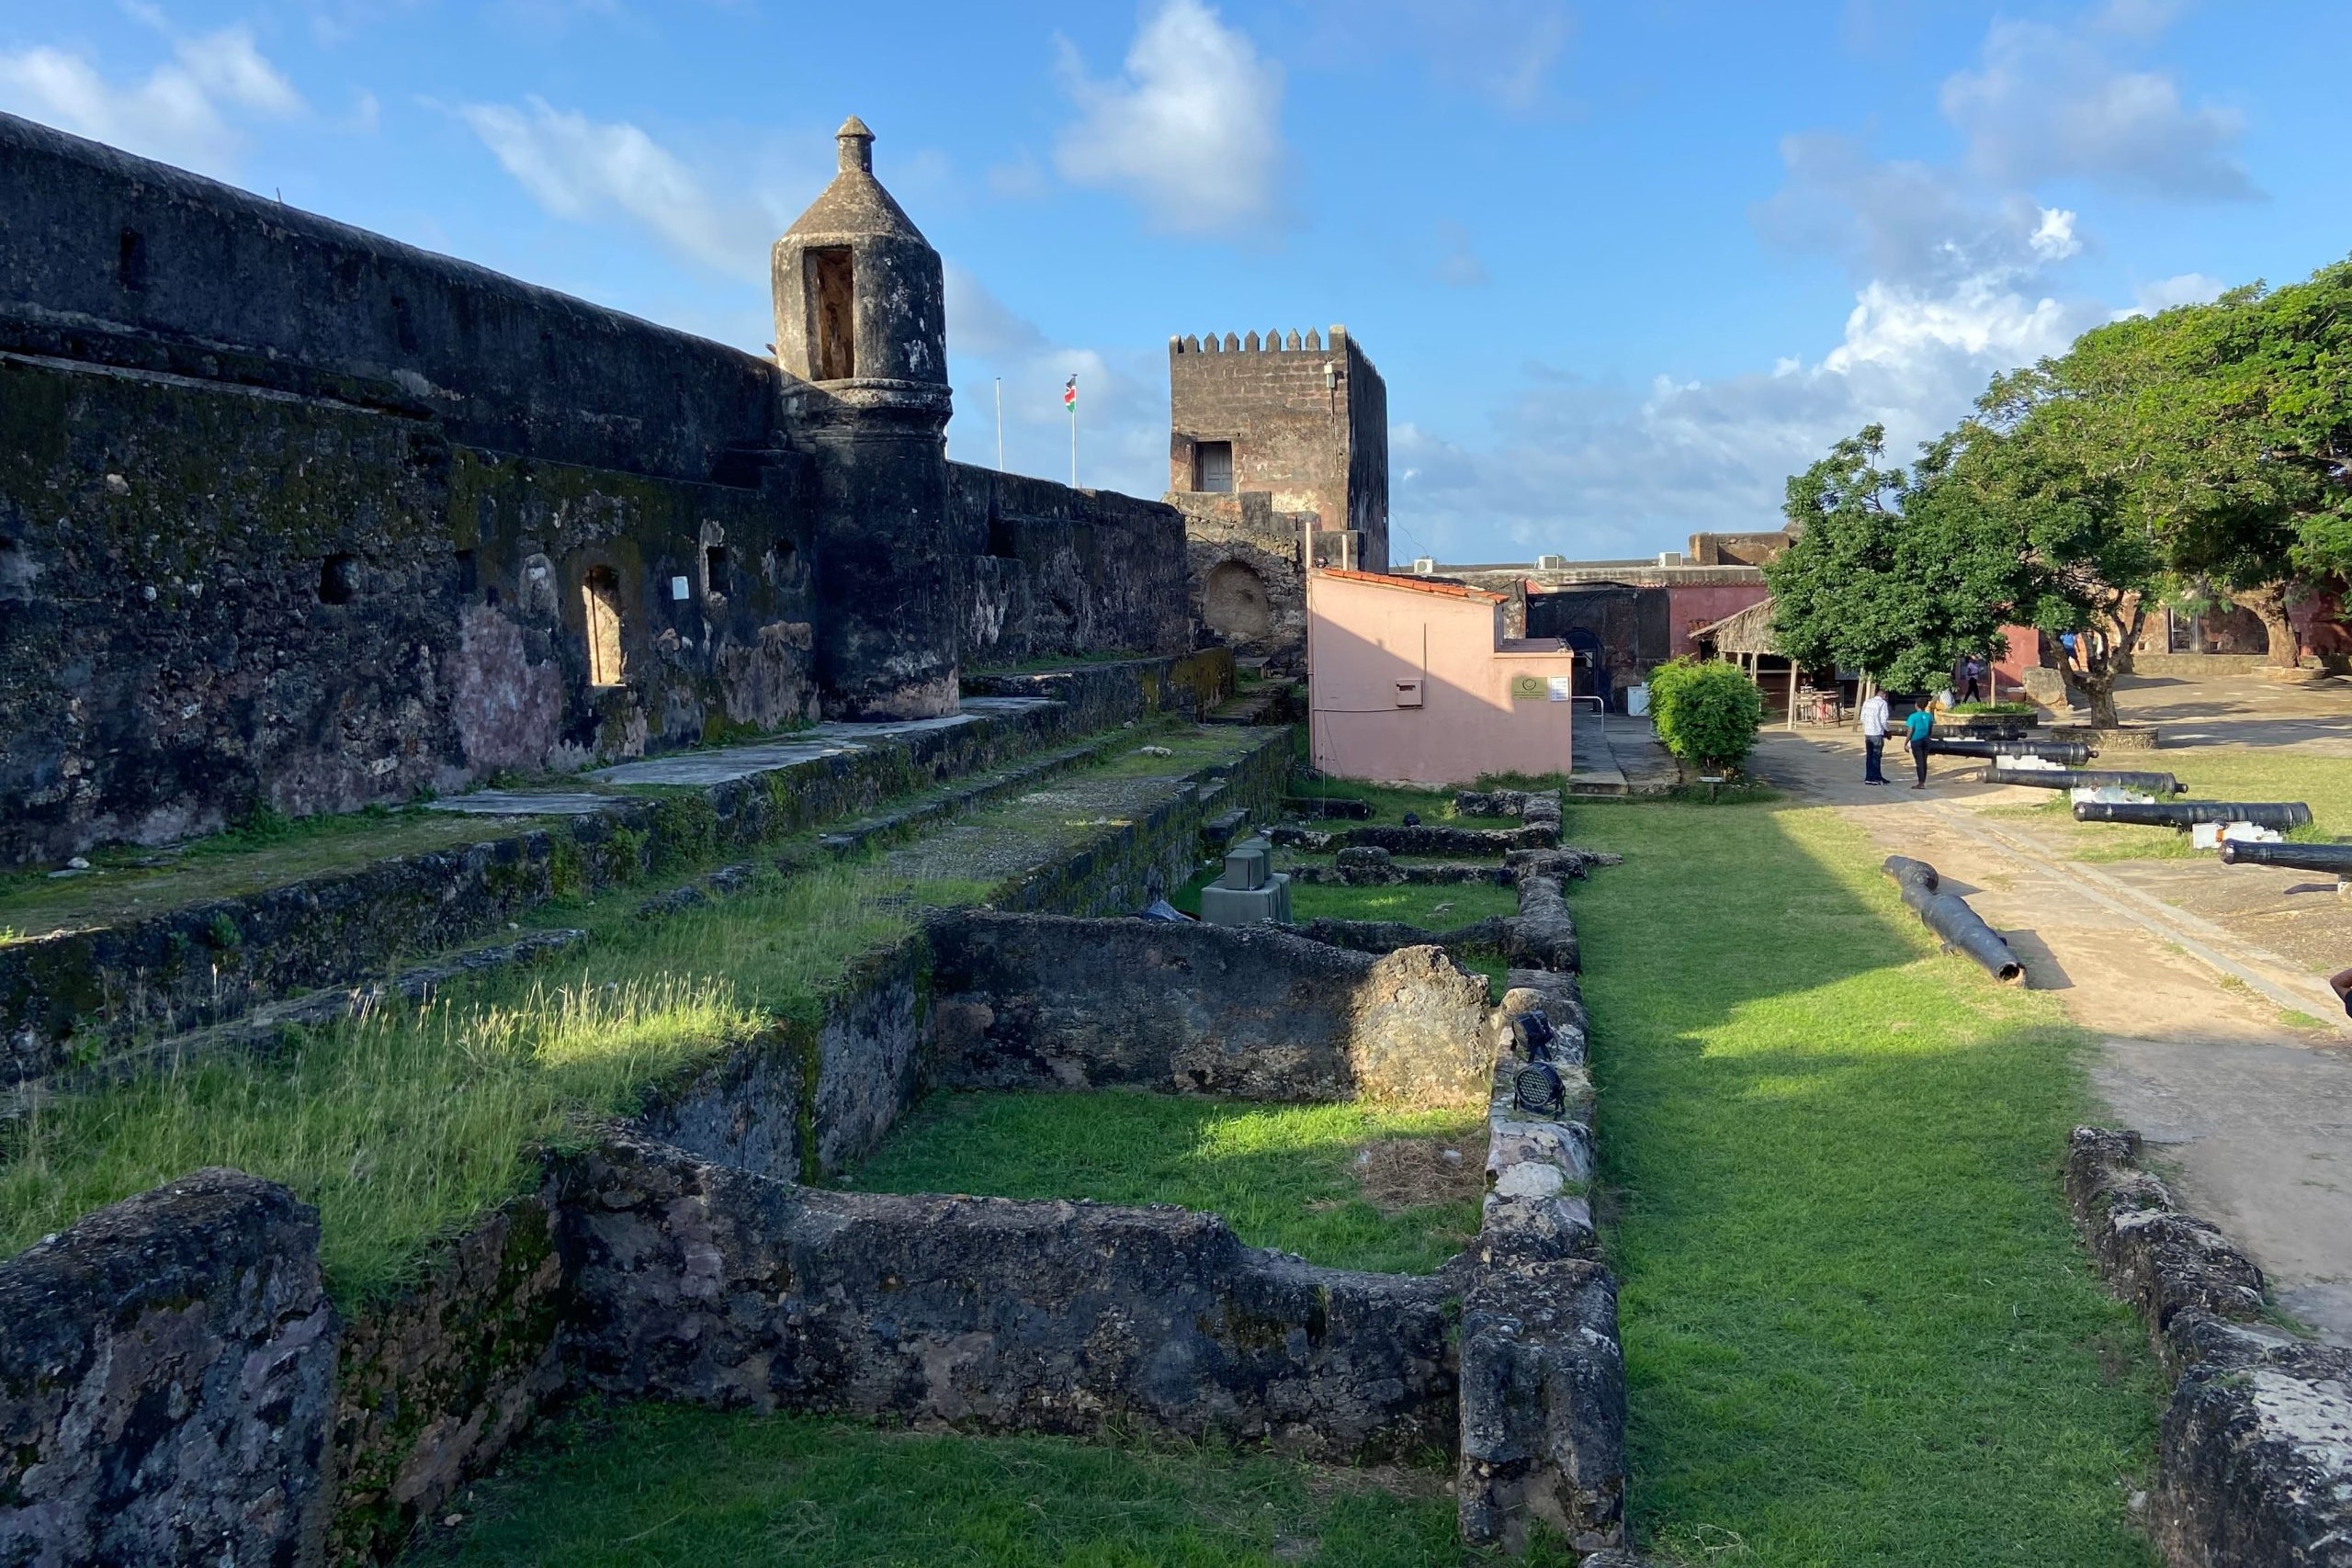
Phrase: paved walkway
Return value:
(2175, 971)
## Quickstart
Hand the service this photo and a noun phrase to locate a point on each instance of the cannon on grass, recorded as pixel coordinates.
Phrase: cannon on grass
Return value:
(2333, 860)
(1949, 916)
(2069, 753)
(2279, 816)
(2086, 778)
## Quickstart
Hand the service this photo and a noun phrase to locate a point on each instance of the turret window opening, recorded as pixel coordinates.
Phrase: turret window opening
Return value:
(834, 307)
(601, 595)
(1213, 467)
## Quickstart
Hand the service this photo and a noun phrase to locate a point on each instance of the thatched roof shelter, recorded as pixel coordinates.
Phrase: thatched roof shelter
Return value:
(1748, 631)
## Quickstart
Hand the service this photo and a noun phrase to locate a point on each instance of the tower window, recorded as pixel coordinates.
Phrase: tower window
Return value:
(833, 313)
(1213, 467)
(713, 569)
(600, 593)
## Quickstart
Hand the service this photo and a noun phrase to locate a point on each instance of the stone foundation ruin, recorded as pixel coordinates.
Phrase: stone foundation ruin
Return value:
(173, 1410)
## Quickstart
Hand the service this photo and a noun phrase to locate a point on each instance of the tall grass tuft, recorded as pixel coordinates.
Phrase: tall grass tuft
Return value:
(405, 1124)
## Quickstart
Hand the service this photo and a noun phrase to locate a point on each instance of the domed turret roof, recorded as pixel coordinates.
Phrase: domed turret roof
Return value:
(855, 202)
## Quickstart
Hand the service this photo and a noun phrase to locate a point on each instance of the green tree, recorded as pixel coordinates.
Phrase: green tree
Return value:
(2236, 417)
(1885, 575)
(2047, 465)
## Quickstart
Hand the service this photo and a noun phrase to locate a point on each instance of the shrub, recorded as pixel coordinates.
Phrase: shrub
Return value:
(1705, 713)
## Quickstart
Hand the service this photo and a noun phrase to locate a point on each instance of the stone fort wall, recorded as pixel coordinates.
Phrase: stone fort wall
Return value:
(293, 515)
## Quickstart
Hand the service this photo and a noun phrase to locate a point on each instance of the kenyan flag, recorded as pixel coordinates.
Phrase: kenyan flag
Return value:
(1069, 394)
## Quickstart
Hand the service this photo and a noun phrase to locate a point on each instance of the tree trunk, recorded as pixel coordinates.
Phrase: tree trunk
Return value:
(2268, 604)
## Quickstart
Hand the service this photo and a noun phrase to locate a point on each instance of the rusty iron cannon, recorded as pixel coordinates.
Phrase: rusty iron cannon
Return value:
(2086, 778)
(2071, 754)
(2277, 815)
(2334, 859)
(1949, 916)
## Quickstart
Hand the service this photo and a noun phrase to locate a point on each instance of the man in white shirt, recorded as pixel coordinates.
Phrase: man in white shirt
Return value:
(1873, 737)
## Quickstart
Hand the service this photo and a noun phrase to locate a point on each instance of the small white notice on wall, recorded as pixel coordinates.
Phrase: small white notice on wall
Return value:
(679, 588)
(1559, 687)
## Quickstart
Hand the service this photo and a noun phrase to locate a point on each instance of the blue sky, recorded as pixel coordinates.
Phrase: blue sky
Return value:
(1624, 266)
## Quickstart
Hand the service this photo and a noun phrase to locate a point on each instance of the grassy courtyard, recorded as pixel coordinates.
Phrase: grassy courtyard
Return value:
(649, 1485)
(1351, 1186)
(1856, 1324)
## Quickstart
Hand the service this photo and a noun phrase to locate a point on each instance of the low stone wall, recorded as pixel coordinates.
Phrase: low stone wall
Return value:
(1542, 1383)
(697, 1282)
(1029, 1000)
(706, 1273)
(207, 962)
(2254, 1458)
(166, 1370)
(432, 1386)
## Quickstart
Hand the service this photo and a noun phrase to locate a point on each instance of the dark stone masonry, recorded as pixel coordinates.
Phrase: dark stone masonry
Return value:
(295, 516)
(166, 1382)
(2254, 1457)
(691, 1255)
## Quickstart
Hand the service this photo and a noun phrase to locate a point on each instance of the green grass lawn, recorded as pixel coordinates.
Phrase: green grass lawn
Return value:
(128, 882)
(1437, 908)
(1284, 1176)
(1858, 1326)
(649, 1485)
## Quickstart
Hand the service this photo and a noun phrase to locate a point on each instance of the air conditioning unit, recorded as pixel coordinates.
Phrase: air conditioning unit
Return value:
(1424, 566)
(1669, 558)
(1551, 563)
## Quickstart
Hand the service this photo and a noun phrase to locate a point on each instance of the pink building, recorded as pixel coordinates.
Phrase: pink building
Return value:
(1413, 682)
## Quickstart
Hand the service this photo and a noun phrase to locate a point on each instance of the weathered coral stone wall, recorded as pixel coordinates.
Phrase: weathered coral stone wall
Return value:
(695, 1282)
(293, 515)
(1046, 569)
(166, 1371)
(1028, 1000)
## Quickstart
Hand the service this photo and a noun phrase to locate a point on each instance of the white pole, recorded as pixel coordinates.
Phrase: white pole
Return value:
(1073, 445)
(999, 425)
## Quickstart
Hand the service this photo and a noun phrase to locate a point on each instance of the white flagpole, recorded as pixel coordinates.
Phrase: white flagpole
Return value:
(999, 425)
(1073, 441)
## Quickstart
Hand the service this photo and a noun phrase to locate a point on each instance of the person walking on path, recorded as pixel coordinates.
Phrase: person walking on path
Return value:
(1971, 679)
(1918, 727)
(1874, 721)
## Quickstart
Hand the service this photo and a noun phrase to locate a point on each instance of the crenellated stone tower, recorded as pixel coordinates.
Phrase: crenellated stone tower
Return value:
(1278, 457)
(861, 318)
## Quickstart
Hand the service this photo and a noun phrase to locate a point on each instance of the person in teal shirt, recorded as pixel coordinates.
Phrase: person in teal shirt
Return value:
(1917, 728)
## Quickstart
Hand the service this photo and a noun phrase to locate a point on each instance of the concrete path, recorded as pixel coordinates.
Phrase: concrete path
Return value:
(2175, 971)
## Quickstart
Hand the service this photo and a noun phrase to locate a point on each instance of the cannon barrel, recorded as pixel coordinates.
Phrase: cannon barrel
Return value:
(2086, 778)
(1949, 916)
(2072, 754)
(2276, 814)
(2334, 859)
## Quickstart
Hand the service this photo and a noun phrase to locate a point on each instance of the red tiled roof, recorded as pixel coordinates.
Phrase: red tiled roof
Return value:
(1416, 584)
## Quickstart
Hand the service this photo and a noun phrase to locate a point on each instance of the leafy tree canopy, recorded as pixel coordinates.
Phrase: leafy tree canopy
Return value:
(1886, 573)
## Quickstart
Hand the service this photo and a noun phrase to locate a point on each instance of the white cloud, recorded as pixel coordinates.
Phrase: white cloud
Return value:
(587, 170)
(2047, 104)
(1192, 132)
(182, 112)
(2188, 288)
(1604, 471)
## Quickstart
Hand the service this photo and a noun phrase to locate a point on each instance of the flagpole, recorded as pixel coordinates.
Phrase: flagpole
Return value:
(999, 425)
(1073, 445)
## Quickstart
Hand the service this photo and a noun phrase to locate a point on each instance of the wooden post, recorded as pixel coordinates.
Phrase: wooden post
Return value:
(1793, 694)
